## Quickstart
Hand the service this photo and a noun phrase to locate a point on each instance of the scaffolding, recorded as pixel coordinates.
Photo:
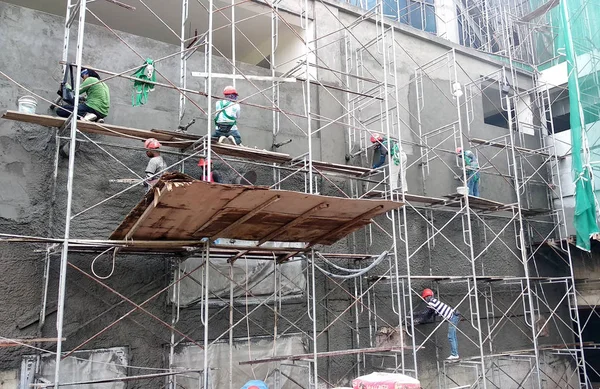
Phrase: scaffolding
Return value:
(393, 258)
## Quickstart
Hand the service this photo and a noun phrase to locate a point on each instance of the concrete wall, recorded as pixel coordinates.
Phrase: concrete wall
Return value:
(26, 158)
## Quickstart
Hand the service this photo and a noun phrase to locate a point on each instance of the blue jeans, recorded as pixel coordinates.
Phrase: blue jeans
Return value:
(64, 111)
(452, 334)
(233, 132)
(473, 185)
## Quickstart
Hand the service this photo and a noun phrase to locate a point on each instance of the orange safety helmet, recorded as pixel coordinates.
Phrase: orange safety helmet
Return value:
(151, 144)
(427, 293)
(376, 138)
(204, 162)
(229, 90)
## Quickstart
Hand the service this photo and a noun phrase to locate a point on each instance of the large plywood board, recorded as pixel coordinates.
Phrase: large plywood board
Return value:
(181, 208)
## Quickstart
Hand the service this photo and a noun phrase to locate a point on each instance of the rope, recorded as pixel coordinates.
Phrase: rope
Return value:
(112, 270)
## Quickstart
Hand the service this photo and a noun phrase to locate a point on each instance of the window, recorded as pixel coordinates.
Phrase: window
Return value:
(494, 108)
(416, 13)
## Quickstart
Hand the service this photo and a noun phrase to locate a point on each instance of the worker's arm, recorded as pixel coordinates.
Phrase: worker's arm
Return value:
(151, 168)
(423, 316)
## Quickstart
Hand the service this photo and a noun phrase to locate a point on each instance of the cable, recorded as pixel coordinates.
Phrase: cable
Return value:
(114, 257)
(381, 257)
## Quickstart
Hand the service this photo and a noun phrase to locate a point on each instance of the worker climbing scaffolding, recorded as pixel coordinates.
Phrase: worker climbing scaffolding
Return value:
(226, 115)
(437, 308)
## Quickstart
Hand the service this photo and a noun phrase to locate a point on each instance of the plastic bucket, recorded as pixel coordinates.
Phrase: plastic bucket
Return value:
(463, 190)
(27, 104)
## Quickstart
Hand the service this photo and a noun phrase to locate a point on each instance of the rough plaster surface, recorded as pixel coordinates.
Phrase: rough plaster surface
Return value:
(26, 168)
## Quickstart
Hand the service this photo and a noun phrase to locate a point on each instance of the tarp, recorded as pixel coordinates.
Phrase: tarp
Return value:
(192, 357)
(585, 201)
(249, 275)
(81, 367)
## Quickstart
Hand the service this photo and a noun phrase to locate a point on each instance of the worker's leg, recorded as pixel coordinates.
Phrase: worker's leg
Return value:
(404, 160)
(65, 110)
(476, 186)
(236, 135)
(471, 185)
(394, 175)
(452, 335)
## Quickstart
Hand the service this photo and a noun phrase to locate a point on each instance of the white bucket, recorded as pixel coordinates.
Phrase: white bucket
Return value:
(27, 104)
(463, 190)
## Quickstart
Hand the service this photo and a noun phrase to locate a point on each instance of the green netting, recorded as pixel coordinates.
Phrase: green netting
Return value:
(575, 42)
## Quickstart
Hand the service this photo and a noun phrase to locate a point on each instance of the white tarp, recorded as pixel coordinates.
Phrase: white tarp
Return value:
(192, 357)
(83, 366)
(257, 276)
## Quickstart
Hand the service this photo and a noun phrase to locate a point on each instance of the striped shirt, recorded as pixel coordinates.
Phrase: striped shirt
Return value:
(444, 310)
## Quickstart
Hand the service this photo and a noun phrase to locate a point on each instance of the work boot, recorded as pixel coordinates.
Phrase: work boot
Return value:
(232, 139)
(90, 117)
(452, 358)
(222, 139)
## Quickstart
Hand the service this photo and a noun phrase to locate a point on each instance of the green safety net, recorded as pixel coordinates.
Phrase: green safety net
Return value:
(570, 32)
(576, 37)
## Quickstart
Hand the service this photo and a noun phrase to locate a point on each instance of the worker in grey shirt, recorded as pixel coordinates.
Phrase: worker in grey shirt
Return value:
(156, 165)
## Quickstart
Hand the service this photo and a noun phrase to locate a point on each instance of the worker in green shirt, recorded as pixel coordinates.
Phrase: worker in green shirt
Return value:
(96, 105)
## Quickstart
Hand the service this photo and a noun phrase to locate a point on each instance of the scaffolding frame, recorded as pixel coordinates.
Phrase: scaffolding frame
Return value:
(363, 90)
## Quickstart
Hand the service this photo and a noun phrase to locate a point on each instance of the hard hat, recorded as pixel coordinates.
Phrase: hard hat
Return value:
(203, 162)
(376, 138)
(459, 150)
(151, 144)
(229, 90)
(255, 384)
(427, 293)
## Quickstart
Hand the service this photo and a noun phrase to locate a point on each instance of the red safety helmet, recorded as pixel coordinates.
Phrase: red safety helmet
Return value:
(427, 293)
(203, 162)
(459, 150)
(376, 138)
(229, 90)
(151, 144)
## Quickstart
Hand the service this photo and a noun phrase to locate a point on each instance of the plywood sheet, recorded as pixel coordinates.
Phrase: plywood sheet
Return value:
(181, 208)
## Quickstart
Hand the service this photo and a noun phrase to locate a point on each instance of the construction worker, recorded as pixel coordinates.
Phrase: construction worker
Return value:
(97, 103)
(226, 115)
(156, 165)
(437, 308)
(214, 175)
(398, 156)
(472, 167)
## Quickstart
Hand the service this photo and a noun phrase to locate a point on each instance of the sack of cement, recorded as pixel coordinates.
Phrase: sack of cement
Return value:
(386, 381)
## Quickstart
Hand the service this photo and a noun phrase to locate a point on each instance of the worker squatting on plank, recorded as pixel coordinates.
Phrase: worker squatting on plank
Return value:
(472, 167)
(397, 157)
(226, 116)
(437, 308)
(156, 165)
(97, 102)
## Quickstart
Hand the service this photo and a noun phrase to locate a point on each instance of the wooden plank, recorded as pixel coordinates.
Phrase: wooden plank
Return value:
(146, 213)
(250, 153)
(102, 129)
(294, 222)
(246, 217)
(244, 212)
(21, 342)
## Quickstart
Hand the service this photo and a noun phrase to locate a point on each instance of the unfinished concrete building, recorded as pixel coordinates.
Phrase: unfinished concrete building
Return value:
(304, 268)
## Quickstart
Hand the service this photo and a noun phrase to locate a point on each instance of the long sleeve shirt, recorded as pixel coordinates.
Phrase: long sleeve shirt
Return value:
(434, 308)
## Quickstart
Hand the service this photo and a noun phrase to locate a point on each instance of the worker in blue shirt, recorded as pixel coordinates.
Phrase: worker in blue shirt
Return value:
(398, 159)
(472, 167)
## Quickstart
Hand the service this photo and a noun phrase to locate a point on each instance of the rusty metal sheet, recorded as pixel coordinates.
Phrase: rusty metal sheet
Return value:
(182, 208)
